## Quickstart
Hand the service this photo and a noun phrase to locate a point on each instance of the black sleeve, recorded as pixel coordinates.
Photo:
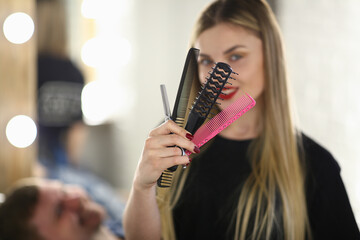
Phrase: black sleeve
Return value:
(330, 212)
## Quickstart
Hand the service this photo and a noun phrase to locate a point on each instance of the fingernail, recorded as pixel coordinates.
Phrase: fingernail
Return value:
(187, 152)
(196, 149)
(186, 165)
(189, 136)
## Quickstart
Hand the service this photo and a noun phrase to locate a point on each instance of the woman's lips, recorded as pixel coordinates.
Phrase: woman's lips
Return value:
(230, 92)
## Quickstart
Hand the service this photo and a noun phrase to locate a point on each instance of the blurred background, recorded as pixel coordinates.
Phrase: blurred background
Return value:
(114, 54)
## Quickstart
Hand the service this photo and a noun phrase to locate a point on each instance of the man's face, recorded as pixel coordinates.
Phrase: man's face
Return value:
(65, 213)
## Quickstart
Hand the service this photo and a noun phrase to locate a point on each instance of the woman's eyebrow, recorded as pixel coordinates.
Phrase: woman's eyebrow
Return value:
(204, 55)
(233, 48)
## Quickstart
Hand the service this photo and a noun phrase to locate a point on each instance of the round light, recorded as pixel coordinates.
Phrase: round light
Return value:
(18, 27)
(97, 102)
(105, 9)
(90, 8)
(90, 52)
(116, 50)
(21, 131)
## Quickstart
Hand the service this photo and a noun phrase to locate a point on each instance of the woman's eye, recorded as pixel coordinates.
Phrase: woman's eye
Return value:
(235, 57)
(206, 62)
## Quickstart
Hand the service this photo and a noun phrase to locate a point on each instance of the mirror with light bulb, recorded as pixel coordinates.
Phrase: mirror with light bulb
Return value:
(17, 91)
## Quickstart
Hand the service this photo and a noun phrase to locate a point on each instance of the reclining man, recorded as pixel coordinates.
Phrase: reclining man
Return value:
(39, 209)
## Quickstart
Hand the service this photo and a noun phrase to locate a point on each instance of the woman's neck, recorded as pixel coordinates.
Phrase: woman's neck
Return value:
(247, 126)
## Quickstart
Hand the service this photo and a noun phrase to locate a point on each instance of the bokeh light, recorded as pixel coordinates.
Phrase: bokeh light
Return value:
(21, 131)
(18, 27)
(95, 9)
(104, 101)
(97, 102)
(89, 7)
(106, 52)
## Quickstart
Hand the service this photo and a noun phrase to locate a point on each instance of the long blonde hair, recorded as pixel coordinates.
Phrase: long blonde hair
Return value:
(273, 196)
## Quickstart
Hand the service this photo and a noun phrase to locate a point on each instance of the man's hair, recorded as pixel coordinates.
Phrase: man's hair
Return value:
(16, 212)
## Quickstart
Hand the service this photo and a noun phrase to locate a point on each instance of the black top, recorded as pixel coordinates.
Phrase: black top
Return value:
(205, 209)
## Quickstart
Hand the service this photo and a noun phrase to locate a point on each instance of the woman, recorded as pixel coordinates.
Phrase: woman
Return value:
(260, 178)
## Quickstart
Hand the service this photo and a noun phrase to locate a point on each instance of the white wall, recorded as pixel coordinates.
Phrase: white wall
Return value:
(160, 33)
(323, 47)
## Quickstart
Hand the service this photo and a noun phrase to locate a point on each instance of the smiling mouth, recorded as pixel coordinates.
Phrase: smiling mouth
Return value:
(228, 93)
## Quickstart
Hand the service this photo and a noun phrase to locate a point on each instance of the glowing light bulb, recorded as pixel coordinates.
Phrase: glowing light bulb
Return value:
(18, 27)
(91, 52)
(105, 9)
(21, 131)
(97, 102)
(2, 198)
(89, 8)
(116, 50)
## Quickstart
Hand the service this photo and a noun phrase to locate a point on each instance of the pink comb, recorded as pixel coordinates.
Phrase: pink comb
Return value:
(222, 120)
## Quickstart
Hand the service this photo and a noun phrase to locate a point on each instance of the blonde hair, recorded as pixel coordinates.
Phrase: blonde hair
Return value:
(278, 176)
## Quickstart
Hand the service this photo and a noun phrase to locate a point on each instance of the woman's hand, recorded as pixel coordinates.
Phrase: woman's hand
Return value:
(159, 153)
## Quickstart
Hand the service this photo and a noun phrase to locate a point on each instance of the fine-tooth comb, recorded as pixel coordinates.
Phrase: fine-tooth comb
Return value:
(201, 108)
(222, 120)
(182, 102)
(183, 95)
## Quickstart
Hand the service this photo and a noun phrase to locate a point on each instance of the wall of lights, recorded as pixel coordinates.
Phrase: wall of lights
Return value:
(18, 28)
(104, 54)
(18, 130)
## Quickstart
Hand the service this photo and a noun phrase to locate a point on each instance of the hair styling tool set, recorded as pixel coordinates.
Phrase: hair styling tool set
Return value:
(202, 106)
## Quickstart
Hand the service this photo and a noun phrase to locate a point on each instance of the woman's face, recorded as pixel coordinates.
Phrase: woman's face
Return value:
(242, 50)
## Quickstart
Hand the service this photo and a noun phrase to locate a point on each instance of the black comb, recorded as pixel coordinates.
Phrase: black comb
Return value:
(181, 105)
(189, 73)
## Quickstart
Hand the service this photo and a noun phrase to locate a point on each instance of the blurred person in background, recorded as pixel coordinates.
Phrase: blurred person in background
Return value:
(39, 209)
(62, 132)
(60, 82)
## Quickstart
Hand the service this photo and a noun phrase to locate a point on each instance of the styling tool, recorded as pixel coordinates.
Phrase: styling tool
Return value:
(222, 120)
(165, 102)
(182, 103)
(201, 108)
(207, 97)
(166, 176)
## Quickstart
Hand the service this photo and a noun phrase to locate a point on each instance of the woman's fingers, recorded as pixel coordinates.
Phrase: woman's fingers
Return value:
(170, 127)
(170, 140)
(168, 152)
(174, 160)
(162, 150)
